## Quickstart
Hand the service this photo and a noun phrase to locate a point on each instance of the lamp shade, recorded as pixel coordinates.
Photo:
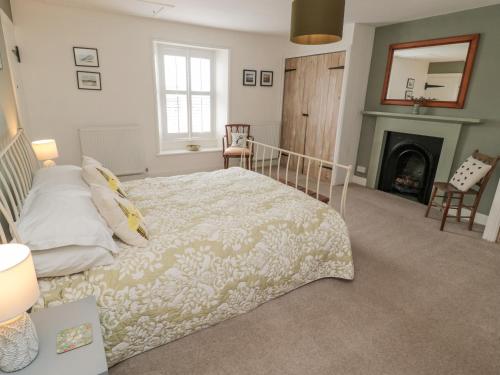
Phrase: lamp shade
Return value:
(45, 149)
(18, 284)
(317, 21)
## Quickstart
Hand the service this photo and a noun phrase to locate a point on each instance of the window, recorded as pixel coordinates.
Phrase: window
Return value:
(186, 95)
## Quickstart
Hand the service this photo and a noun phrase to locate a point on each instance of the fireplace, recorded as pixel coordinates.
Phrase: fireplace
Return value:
(409, 165)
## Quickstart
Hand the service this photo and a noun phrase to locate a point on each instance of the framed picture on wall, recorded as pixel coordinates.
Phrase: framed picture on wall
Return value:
(88, 80)
(408, 94)
(249, 77)
(86, 56)
(410, 84)
(266, 78)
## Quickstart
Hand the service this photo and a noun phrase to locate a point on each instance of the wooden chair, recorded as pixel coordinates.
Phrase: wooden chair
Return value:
(451, 192)
(236, 152)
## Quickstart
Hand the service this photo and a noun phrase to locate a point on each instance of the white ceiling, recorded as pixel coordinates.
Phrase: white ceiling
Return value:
(272, 16)
(448, 52)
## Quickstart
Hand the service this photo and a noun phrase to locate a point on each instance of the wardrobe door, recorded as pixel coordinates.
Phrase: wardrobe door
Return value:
(293, 122)
(323, 109)
(331, 124)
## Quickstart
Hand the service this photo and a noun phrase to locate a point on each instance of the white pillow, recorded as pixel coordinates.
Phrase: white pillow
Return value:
(239, 140)
(98, 175)
(68, 260)
(469, 173)
(54, 217)
(64, 177)
(121, 215)
(88, 161)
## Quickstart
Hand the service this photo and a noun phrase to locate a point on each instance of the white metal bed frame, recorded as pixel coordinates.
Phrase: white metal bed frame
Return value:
(279, 153)
(18, 165)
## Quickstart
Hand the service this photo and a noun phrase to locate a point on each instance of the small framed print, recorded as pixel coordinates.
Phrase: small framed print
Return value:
(249, 77)
(86, 56)
(408, 94)
(266, 78)
(410, 83)
(88, 80)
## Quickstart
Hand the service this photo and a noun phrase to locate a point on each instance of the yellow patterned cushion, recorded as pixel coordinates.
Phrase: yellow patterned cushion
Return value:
(122, 216)
(99, 175)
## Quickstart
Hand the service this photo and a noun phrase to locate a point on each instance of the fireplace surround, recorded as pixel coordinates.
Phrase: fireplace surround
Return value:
(446, 128)
(409, 165)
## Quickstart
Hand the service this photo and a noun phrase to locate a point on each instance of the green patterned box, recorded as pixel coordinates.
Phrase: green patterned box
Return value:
(73, 338)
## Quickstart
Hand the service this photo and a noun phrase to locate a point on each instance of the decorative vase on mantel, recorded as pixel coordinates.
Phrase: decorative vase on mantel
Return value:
(418, 103)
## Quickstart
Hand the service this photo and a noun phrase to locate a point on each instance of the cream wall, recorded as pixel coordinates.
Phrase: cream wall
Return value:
(56, 108)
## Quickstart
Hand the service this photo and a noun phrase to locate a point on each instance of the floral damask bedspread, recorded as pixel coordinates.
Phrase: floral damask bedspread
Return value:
(222, 243)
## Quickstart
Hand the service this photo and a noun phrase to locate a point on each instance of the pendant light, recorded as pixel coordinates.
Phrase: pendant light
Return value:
(317, 21)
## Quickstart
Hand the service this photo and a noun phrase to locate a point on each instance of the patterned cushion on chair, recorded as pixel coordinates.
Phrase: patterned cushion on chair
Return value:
(238, 139)
(236, 151)
(469, 174)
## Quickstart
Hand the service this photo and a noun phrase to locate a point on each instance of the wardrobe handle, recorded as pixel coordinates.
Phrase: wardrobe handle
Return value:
(305, 114)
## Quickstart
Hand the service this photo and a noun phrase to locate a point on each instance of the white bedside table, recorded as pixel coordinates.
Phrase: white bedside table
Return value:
(87, 360)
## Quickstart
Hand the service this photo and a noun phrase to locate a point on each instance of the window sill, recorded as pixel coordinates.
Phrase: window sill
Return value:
(183, 152)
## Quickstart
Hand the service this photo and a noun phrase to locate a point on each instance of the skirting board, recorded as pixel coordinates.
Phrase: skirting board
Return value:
(358, 180)
(180, 172)
(480, 218)
(132, 177)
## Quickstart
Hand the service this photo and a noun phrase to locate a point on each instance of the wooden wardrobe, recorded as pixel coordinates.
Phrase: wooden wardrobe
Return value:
(311, 102)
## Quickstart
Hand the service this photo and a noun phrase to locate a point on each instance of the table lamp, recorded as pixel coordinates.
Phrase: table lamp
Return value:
(18, 292)
(46, 150)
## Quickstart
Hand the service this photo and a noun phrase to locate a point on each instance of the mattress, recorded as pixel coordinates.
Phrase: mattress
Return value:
(222, 243)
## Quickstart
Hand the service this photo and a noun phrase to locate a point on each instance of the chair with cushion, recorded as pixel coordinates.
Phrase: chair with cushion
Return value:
(468, 181)
(234, 143)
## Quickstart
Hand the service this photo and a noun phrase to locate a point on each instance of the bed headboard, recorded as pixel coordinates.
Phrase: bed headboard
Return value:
(18, 164)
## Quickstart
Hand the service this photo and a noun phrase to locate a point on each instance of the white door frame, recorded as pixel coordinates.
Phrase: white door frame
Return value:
(15, 74)
(493, 223)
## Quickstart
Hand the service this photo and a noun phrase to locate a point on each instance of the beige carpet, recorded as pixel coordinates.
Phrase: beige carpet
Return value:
(423, 302)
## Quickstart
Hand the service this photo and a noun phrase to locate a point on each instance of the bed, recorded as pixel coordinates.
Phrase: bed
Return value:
(221, 243)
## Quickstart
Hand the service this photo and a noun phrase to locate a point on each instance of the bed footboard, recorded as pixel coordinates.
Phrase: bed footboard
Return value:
(313, 176)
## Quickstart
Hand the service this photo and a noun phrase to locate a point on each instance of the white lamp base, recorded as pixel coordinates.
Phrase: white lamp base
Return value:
(49, 163)
(18, 343)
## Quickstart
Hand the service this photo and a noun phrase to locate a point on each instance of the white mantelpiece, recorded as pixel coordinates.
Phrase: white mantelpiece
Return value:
(448, 128)
(456, 120)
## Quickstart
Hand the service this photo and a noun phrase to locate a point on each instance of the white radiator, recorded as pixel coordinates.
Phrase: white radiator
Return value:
(268, 134)
(119, 148)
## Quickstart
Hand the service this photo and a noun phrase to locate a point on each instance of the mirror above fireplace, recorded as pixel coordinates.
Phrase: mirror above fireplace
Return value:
(438, 70)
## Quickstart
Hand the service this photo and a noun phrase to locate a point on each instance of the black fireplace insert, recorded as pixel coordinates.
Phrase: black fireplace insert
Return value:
(409, 165)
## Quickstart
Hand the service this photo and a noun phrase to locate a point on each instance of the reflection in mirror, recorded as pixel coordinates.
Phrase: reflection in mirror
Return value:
(432, 72)
(436, 69)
